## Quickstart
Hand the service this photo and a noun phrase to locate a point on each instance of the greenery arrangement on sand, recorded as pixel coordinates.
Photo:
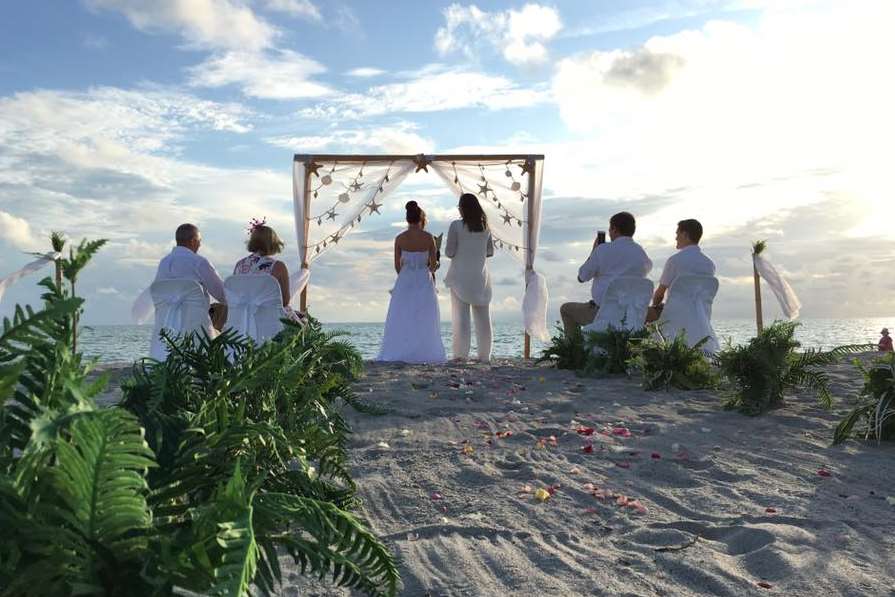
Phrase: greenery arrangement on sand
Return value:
(217, 462)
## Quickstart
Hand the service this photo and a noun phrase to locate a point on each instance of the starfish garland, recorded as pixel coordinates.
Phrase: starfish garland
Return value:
(331, 214)
(374, 208)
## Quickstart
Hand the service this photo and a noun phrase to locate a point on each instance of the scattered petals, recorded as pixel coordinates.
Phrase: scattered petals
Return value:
(406, 432)
(541, 444)
(770, 510)
(623, 464)
(574, 471)
(436, 496)
(588, 449)
(637, 506)
(655, 456)
(585, 430)
(526, 489)
(621, 431)
(764, 585)
(383, 445)
(468, 449)
(552, 440)
(542, 494)
(824, 473)
(503, 434)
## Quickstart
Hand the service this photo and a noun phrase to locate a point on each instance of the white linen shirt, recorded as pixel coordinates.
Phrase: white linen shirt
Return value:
(621, 257)
(688, 261)
(181, 263)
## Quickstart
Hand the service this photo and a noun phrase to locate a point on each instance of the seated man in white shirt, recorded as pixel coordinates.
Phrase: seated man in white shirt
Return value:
(688, 260)
(184, 262)
(607, 261)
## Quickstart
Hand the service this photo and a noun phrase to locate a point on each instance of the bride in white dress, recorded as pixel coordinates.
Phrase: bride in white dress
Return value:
(413, 325)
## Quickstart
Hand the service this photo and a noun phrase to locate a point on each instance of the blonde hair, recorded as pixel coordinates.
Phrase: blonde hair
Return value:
(264, 240)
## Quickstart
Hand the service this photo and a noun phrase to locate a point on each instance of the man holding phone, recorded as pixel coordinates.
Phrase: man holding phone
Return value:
(607, 261)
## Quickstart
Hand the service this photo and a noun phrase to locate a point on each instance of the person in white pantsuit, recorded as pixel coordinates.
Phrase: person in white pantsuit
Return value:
(469, 244)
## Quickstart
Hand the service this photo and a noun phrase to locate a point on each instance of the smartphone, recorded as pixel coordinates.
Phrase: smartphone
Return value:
(601, 237)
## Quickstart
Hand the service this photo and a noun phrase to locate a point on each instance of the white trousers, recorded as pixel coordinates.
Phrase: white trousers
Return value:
(462, 332)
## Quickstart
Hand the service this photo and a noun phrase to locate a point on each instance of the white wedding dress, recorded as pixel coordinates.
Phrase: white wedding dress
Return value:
(413, 325)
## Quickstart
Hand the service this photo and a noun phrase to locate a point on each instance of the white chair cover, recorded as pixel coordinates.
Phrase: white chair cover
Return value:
(689, 308)
(181, 307)
(626, 300)
(254, 306)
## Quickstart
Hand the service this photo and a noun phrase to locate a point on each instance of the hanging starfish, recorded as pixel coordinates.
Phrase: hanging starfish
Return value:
(356, 186)
(422, 163)
(337, 236)
(507, 218)
(484, 188)
(312, 169)
(331, 214)
(526, 167)
(374, 207)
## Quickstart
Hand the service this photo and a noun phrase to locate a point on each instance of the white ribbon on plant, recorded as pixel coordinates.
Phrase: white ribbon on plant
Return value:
(786, 296)
(29, 268)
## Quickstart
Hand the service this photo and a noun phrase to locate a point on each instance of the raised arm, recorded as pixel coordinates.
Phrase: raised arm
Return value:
(451, 248)
(397, 256)
(591, 267)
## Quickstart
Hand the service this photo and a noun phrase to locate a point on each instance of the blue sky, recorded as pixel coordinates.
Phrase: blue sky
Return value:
(764, 119)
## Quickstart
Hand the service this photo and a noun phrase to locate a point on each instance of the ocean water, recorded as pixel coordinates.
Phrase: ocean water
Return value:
(127, 343)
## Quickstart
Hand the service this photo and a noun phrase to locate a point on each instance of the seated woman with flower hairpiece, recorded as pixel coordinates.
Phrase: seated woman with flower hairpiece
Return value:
(263, 243)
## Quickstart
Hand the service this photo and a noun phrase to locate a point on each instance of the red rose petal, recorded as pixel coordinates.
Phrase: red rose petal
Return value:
(824, 473)
(437, 496)
(764, 585)
(770, 510)
(588, 449)
(585, 430)
(621, 431)
(655, 456)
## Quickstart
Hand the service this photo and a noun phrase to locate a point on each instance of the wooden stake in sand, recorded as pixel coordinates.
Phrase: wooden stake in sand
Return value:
(758, 248)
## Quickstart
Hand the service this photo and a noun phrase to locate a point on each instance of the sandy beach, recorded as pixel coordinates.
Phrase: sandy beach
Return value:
(641, 493)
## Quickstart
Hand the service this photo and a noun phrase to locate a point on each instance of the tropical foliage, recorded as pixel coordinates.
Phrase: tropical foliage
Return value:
(761, 371)
(593, 353)
(874, 415)
(665, 363)
(218, 461)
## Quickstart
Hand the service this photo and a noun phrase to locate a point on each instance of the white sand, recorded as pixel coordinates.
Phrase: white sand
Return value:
(461, 524)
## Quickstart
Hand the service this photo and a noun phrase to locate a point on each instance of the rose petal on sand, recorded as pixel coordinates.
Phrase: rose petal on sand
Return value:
(764, 585)
(824, 473)
(655, 456)
(503, 434)
(621, 431)
(589, 487)
(436, 496)
(406, 432)
(526, 489)
(585, 431)
(541, 444)
(623, 464)
(468, 449)
(588, 449)
(383, 445)
(552, 440)
(542, 494)
(636, 505)
(574, 471)
(770, 510)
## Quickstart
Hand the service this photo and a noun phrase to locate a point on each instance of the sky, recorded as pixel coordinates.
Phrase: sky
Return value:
(764, 119)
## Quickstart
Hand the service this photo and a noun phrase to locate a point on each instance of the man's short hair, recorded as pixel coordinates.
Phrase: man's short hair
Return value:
(186, 233)
(623, 222)
(693, 229)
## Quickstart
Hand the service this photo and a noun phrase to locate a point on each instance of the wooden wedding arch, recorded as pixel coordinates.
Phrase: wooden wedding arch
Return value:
(350, 186)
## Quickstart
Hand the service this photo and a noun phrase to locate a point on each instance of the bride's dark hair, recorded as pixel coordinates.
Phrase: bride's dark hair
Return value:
(415, 214)
(471, 211)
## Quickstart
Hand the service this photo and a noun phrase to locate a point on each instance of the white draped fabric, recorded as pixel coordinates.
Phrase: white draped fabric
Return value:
(786, 296)
(29, 268)
(332, 197)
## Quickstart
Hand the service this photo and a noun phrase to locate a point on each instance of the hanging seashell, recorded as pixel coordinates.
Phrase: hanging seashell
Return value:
(319, 221)
(508, 174)
(315, 194)
(318, 249)
(326, 180)
(515, 186)
(344, 198)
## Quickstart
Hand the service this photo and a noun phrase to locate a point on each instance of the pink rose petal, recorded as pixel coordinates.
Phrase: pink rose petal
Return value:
(824, 473)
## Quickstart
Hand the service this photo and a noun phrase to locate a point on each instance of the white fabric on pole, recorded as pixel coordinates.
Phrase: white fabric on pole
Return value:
(29, 268)
(506, 203)
(786, 296)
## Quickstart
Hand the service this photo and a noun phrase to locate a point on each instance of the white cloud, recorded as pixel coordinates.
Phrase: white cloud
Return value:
(399, 138)
(17, 232)
(519, 35)
(298, 8)
(365, 72)
(433, 89)
(204, 23)
(270, 74)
